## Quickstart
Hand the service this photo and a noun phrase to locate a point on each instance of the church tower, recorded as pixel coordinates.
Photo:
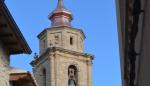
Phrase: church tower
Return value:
(62, 61)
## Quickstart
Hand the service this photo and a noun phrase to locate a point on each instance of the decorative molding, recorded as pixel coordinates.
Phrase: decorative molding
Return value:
(53, 50)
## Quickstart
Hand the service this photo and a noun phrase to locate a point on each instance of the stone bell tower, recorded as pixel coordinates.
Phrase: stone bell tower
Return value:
(61, 61)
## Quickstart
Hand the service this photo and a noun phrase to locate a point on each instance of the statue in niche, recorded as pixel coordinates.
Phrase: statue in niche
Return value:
(72, 76)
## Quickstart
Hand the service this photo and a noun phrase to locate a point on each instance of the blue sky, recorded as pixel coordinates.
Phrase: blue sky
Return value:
(97, 18)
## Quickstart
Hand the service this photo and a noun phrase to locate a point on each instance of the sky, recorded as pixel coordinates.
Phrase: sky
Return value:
(97, 18)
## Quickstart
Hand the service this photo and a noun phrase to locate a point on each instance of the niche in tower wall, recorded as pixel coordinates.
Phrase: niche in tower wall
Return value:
(72, 74)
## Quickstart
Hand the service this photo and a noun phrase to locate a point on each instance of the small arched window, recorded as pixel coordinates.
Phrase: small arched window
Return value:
(44, 76)
(72, 75)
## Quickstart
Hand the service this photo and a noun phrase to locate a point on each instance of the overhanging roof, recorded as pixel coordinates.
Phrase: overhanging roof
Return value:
(10, 35)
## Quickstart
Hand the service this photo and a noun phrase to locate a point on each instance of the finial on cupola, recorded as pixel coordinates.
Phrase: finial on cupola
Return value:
(61, 16)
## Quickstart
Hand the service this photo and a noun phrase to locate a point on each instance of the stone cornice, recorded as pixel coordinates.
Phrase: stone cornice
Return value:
(64, 27)
(53, 50)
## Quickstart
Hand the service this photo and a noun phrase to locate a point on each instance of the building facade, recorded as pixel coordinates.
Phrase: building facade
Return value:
(134, 41)
(12, 42)
(62, 61)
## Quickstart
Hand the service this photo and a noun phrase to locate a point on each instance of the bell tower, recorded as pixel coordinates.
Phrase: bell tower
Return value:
(61, 60)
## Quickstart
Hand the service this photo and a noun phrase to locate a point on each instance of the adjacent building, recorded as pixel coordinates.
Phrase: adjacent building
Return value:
(20, 77)
(134, 41)
(12, 42)
(62, 61)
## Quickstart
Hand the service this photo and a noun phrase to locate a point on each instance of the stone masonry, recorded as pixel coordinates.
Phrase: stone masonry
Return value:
(62, 61)
(4, 65)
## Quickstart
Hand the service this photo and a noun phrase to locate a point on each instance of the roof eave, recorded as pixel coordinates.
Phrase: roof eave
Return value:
(16, 30)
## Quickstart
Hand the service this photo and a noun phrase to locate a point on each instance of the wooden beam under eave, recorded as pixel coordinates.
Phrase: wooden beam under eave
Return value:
(3, 25)
(10, 43)
(0, 14)
(12, 52)
(5, 35)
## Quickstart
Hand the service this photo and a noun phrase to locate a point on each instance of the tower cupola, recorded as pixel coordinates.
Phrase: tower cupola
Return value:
(61, 16)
